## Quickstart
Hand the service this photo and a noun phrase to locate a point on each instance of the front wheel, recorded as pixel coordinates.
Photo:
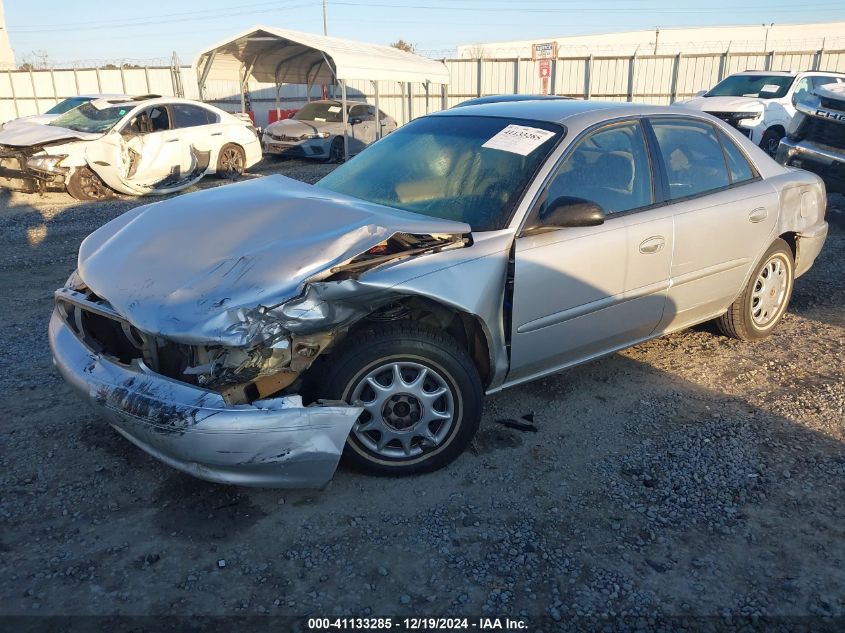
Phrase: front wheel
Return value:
(770, 141)
(760, 307)
(421, 395)
(83, 184)
(336, 154)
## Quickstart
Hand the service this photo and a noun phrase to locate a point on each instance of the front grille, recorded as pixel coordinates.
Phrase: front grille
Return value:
(823, 131)
(104, 333)
(103, 330)
(284, 137)
(733, 118)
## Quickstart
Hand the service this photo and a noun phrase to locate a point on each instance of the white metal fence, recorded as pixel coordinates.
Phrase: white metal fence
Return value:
(658, 79)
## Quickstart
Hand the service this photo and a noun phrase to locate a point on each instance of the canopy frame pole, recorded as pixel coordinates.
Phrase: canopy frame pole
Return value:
(247, 71)
(378, 112)
(345, 114)
(402, 99)
(241, 74)
(203, 76)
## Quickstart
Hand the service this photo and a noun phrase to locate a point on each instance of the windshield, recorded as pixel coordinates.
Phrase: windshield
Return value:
(466, 168)
(760, 86)
(87, 118)
(68, 104)
(329, 112)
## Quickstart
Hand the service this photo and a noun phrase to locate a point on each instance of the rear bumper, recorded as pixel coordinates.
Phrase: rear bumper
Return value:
(273, 443)
(809, 245)
(825, 161)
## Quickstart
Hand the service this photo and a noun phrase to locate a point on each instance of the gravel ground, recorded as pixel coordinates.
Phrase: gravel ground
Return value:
(691, 476)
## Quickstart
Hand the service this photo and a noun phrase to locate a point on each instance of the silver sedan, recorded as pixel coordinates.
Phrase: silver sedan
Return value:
(316, 131)
(470, 251)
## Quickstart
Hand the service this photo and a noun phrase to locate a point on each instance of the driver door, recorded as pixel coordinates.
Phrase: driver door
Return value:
(585, 291)
(145, 155)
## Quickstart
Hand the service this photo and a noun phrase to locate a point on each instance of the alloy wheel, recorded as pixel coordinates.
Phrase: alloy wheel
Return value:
(408, 409)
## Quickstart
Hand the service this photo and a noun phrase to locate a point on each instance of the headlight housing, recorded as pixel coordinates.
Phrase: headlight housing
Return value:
(49, 163)
(314, 135)
(74, 282)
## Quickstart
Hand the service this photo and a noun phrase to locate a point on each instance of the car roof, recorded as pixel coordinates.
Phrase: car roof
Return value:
(505, 98)
(559, 110)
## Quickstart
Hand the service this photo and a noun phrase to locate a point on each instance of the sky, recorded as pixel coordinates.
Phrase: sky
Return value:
(149, 31)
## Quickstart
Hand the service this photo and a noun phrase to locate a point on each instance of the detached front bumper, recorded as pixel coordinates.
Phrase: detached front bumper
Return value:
(16, 176)
(273, 443)
(823, 160)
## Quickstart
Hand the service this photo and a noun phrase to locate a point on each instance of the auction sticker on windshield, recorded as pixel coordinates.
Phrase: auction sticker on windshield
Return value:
(519, 139)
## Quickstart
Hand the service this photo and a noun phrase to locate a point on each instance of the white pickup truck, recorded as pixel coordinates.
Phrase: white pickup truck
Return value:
(760, 104)
(815, 140)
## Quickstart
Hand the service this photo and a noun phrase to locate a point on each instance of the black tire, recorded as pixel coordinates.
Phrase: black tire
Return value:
(336, 151)
(87, 186)
(743, 318)
(411, 347)
(231, 162)
(770, 141)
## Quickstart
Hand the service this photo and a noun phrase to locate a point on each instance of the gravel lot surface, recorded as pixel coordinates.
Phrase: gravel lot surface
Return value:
(694, 475)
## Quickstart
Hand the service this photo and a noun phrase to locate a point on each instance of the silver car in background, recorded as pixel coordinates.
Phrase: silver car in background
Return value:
(316, 130)
(469, 251)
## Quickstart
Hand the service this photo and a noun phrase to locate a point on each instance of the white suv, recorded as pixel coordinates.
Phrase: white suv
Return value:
(760, 104)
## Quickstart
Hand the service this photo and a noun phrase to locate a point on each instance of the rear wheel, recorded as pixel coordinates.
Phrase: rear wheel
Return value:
(85, 185)
(231, 162)
(760, 307)
(421, 395)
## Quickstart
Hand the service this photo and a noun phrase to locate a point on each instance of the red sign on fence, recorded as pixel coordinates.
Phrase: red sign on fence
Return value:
(545, 69)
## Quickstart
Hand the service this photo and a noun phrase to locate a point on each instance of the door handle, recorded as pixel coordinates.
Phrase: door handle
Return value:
(171, 140)
(217, 134)
(652, 245)
(758, 215)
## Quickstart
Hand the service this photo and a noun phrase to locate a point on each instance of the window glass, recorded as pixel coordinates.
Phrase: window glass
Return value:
(802, 90)
(738, 166)
(758, 86)
(186, 115)
(89, 118)
(445, 167)
(692, 156)
(609, 167)
(153, 119)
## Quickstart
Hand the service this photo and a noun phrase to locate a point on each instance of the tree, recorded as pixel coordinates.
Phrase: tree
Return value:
(402, 45)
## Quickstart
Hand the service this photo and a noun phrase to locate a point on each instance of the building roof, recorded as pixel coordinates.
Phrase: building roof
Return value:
(283, 56)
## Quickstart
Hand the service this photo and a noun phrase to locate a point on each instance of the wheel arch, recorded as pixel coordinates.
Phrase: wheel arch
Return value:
(467, 329)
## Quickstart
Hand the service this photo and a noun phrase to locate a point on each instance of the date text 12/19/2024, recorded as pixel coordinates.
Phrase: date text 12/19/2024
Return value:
(416, 624)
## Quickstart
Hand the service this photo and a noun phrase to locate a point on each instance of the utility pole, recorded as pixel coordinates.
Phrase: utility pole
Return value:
(656, 38)
(766, 40)
(325, 23)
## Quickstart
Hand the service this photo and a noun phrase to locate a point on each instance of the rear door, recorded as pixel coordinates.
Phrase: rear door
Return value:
(200, 130)
(581, 292)
(725, 216)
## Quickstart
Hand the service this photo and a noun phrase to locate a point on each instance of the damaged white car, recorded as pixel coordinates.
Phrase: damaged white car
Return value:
(135, 146)
(469, 251)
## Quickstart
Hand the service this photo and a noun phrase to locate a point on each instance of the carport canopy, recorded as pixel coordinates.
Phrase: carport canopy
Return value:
(272, 55)
(278, 56)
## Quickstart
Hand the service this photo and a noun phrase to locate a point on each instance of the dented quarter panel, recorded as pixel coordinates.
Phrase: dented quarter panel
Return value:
(289, 233)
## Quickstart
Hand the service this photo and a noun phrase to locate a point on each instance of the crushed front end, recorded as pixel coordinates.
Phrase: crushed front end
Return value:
(23, 169)
(129, 378)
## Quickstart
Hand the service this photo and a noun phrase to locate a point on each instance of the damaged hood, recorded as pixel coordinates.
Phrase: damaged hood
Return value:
(194, 268)
(25, 133)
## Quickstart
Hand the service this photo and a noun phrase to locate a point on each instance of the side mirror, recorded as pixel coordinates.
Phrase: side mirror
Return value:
(566, 212)
(355, 120)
